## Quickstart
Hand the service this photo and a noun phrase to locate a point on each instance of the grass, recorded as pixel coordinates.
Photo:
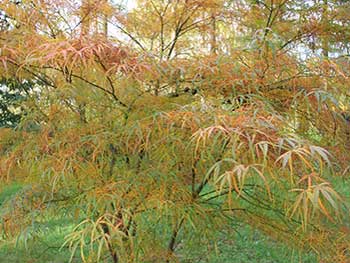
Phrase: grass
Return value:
(249, 245)
(245, 246)
(44, 247)
(8, 191)
(239, 245)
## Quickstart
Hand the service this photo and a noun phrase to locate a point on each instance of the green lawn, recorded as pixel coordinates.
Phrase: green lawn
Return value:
(238, 244)
(245, 246)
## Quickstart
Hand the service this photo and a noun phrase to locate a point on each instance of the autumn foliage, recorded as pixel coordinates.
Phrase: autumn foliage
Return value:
(152, 128)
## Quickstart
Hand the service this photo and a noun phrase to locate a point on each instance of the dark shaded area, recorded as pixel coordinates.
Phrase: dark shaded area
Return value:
(12, 95)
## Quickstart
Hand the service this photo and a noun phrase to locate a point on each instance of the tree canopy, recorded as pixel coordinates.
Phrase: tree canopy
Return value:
(152, 128)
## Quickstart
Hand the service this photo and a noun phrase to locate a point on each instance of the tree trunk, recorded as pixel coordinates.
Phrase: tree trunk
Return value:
(213, 38)
(85, 17)
(325, 43)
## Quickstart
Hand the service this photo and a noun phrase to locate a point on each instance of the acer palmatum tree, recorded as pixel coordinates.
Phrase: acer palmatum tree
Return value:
(152, 139)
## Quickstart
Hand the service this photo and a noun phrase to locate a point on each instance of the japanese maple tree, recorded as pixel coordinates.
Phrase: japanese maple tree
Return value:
(153, 128)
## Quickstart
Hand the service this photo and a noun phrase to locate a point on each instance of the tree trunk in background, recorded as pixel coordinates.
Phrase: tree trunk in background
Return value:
(325, 43)
(105, 25)
(85, 17)
(213, 38)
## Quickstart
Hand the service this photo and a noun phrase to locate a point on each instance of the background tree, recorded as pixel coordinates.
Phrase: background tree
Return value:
(12, 96)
